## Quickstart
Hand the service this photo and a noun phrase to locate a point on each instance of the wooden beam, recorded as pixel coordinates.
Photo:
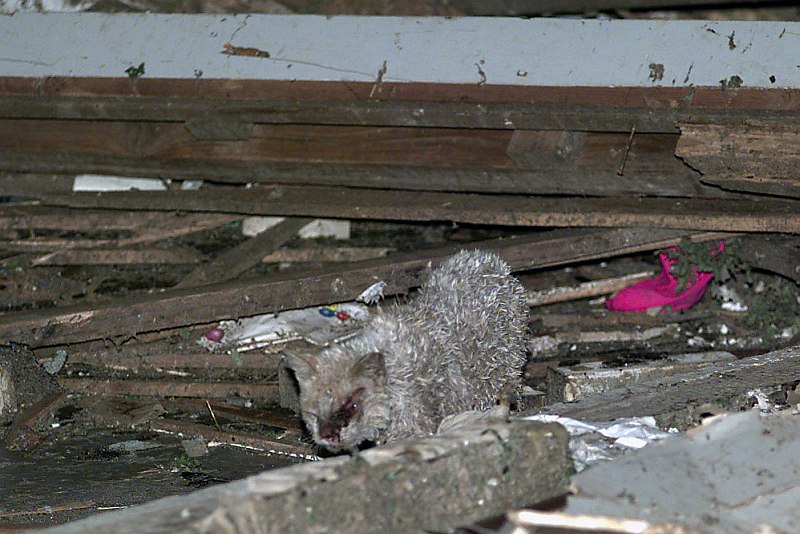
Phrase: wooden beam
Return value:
(695, 213)
(299, 289)
(273, 418)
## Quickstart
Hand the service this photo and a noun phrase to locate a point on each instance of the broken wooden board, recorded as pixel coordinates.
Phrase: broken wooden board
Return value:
(681, 400)
(694, 213)
(434, 483)
(761, 158)
(294, 290)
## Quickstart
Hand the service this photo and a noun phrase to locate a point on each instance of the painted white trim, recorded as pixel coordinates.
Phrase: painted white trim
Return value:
(510, 51)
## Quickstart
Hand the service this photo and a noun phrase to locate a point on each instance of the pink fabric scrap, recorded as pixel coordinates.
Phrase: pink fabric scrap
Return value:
(662, 291)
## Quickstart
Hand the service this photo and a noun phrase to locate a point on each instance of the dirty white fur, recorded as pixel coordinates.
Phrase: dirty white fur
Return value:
(458, 346)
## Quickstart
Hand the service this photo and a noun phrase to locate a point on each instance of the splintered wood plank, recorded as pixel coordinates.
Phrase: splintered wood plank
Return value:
(173, 256)
(762, 158)
(299, 289)
(231, 263)
(723, 215)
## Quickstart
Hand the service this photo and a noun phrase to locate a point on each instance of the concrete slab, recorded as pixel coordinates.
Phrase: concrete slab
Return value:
(738, 474)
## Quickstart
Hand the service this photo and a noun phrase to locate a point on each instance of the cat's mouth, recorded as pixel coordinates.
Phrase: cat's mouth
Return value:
(330, 429)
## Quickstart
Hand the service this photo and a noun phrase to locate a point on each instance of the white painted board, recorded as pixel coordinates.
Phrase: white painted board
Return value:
(509, 51)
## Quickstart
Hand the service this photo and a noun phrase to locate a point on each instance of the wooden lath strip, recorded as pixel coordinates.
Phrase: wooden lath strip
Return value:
(694, 213)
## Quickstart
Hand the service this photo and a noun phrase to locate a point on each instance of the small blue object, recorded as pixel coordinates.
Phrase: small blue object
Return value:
(327, 312)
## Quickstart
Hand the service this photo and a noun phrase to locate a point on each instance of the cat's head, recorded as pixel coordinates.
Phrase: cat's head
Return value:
(343, 396)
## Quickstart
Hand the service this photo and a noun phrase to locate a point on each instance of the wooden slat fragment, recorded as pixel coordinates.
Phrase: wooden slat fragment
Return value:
(31, 217)
(174, 255)
(584, 290)
(233, 262)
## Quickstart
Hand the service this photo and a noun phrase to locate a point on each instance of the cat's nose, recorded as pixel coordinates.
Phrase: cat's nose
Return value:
(329, 431)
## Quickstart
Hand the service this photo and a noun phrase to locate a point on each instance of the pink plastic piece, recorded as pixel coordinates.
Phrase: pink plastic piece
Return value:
(215, 334)
(661, 291)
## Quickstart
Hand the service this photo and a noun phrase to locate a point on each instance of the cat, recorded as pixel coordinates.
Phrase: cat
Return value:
(458, 346)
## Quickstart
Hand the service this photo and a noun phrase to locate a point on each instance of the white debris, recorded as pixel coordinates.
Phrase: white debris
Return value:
(765, 405)
(593, 442)
(317, 325)
(731, 301)
(373, 294)
(99, 182)
(55, 365)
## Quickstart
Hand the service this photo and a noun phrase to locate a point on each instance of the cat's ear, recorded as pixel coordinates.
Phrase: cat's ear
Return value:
(302, 365)
(371, 365)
